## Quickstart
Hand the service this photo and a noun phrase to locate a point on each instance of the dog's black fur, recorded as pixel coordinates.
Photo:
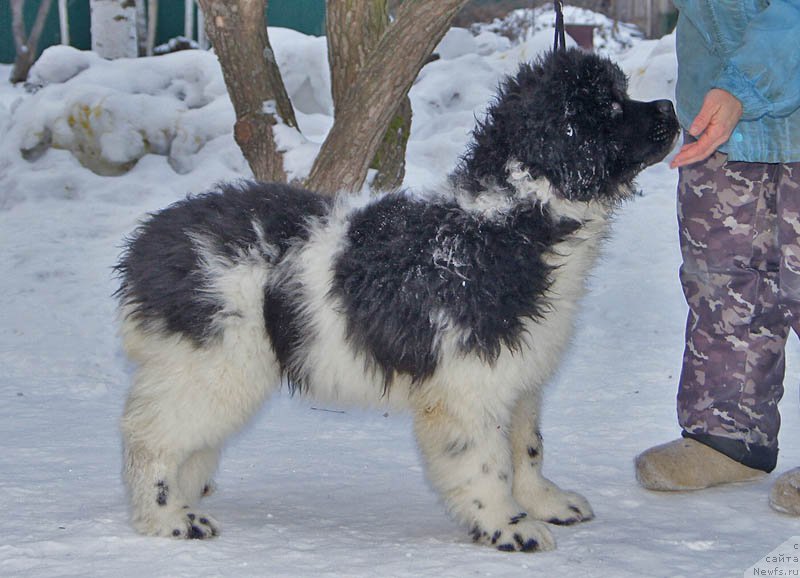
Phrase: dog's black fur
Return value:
(161, 271)
(391, 278)
(404, 290)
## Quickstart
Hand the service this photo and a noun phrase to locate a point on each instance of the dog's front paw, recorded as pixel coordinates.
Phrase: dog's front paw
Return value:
(517, 535)
(182, 525)
(553, 505)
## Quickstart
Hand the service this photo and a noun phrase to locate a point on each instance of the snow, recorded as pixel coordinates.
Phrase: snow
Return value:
(610, 37)
(303, 491)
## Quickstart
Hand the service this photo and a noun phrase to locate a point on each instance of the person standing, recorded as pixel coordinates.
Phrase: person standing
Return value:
(738, 99)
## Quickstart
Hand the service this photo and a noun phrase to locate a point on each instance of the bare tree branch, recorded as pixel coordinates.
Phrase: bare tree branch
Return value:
(237, 30)
(26, 47)
(38, 24)
(369, 93)
(18, 24)
(152, 26)
(382, 82)
(354, 28)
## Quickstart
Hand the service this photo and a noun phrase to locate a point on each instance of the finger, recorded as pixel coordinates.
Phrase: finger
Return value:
(686, 154)
(681, 159)
(704, 118)
(693, 156)
(697, 151)
(700, 122)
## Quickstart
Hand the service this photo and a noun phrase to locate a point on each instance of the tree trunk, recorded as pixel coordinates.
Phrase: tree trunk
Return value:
(188, 19)
(390, 160)
(63, 22)
(141, 27)
(238, 32)
(152, 26)
(26, 46)
(371, 101)
(113, 25)
(354, 28)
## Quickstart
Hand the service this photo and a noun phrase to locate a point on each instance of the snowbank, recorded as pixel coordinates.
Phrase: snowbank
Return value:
(110, 114)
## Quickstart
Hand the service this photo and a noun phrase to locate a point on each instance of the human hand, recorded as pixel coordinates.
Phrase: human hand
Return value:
(712, 127)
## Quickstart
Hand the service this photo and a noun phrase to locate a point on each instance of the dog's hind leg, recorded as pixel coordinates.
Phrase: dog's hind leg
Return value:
(159, 505)
(469, 463)
(186, 400)
(540, 497)
(189, 396)
(196, 475)
(169, 440)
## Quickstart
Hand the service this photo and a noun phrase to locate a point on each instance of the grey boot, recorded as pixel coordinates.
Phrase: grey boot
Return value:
(785, 494)
(685, 464)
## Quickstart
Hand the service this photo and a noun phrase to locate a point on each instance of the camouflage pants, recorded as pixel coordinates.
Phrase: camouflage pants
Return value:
(740, 239)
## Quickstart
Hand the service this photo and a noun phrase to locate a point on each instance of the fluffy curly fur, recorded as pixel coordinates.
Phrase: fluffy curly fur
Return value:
(455, 304)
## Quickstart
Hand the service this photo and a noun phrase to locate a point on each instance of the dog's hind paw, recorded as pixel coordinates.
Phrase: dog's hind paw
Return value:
(195, 527)
(183, 525)
(518, 535)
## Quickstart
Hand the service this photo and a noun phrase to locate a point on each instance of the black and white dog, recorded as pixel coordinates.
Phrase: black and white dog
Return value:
(455, 305)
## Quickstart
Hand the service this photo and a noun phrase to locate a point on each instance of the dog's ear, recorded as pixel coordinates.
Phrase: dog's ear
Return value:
(510, 131)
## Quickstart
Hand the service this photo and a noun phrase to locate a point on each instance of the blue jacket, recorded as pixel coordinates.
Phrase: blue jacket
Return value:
(751, 48)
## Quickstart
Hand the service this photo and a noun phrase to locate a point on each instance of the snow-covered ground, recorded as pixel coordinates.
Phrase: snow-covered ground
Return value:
(304, 491)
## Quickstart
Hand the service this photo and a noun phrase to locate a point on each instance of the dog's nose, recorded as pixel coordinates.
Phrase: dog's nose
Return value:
(665, 107)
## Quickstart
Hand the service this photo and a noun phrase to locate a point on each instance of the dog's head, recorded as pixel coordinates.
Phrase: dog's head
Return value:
(567, 118)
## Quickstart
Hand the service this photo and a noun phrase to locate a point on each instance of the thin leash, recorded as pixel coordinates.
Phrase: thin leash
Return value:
(561, 39)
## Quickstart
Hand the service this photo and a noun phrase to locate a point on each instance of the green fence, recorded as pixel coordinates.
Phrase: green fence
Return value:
(307, 16)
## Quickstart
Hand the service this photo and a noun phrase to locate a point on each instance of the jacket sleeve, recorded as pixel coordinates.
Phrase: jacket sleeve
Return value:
(764, 71)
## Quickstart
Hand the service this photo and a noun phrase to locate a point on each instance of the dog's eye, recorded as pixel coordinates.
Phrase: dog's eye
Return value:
(616, 109)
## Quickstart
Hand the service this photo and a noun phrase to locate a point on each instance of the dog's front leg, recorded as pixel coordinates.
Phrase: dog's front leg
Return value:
(469, 463)
(540, 497)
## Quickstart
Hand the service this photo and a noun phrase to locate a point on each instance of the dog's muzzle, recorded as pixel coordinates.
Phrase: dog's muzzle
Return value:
(666, 127)
(664, 130)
